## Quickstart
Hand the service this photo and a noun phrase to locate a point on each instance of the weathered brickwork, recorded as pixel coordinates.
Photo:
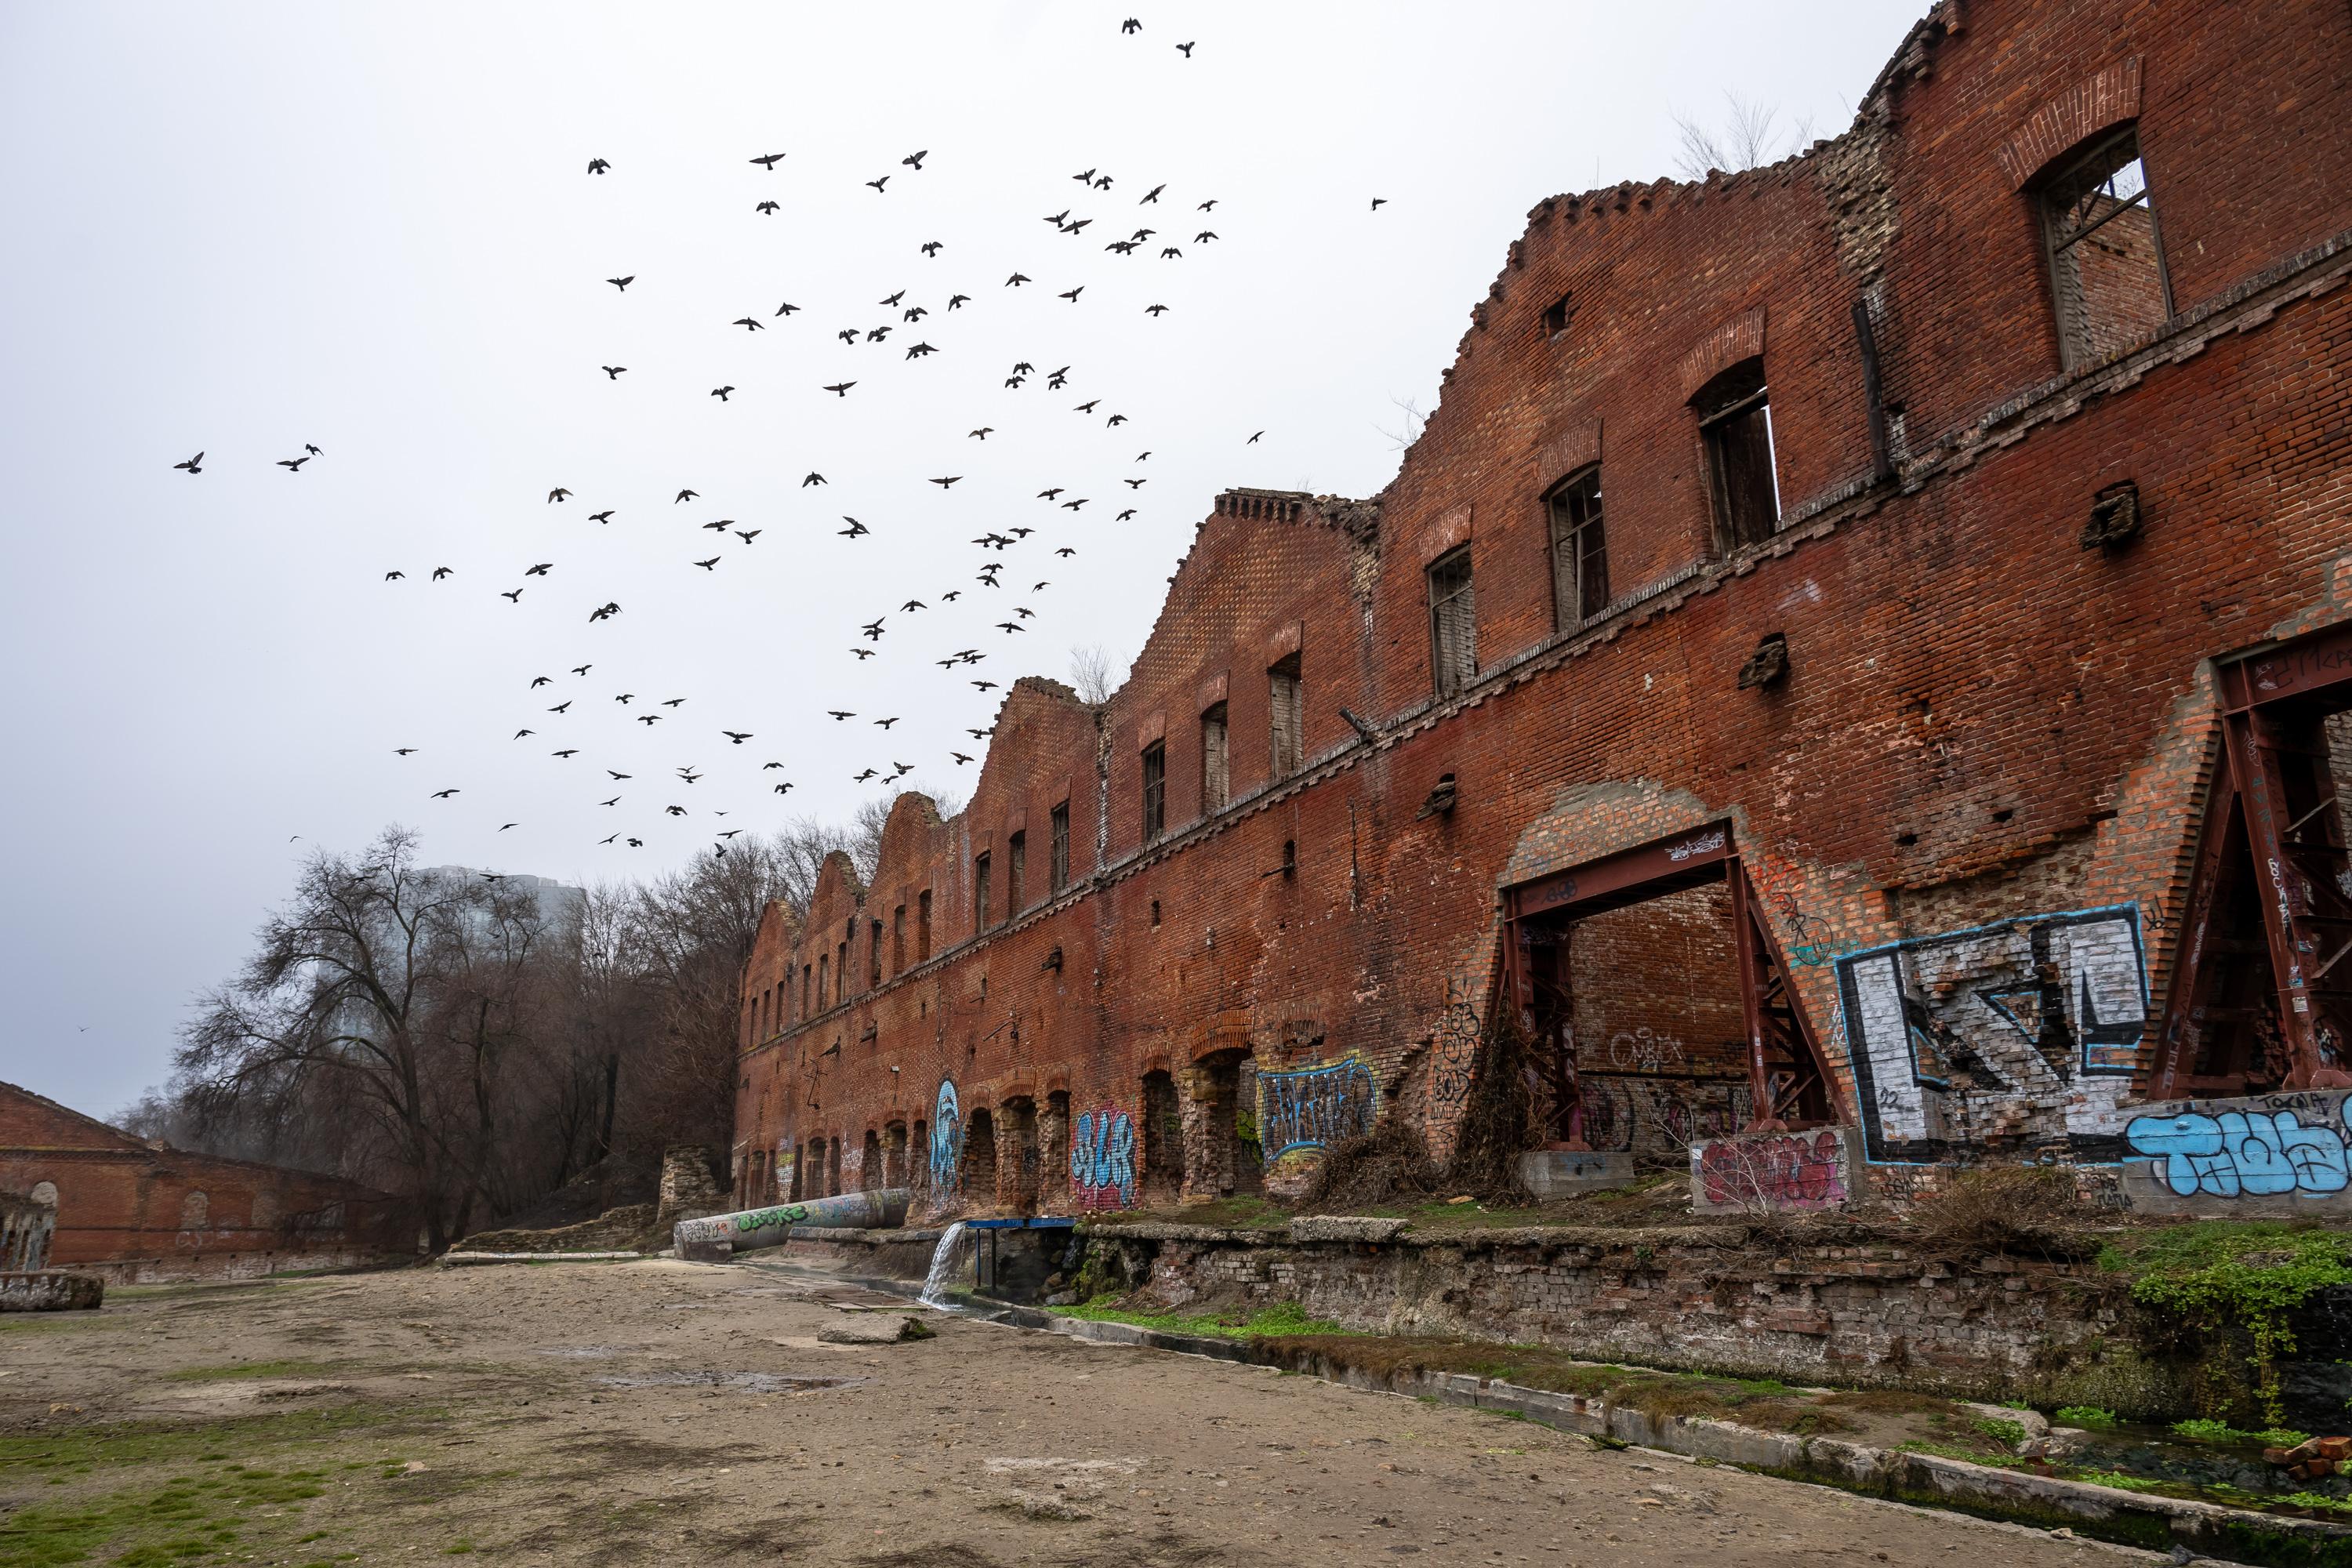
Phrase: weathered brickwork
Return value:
(1967, 804)
(132, 1212)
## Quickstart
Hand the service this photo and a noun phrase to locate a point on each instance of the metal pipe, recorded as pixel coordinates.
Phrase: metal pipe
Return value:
(719, 1236)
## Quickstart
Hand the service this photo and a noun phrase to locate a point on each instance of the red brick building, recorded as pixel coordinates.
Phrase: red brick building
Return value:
(1924, 732)
(136, 1211)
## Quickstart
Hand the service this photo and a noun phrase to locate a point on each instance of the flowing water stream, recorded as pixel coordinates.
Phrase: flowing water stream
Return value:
(946, 1259)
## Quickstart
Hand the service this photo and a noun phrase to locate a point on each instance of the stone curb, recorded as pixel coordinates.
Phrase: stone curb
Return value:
(2135, 1519)
(465, 1259)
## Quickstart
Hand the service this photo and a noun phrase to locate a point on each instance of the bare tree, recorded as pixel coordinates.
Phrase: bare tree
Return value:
(1749, 136)
(1091, 674)
(1410, 423)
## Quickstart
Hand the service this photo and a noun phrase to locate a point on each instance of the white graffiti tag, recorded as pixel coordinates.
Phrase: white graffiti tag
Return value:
(2235, 1154)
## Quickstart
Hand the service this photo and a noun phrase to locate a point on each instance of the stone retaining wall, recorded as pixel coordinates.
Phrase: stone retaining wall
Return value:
(50, 1290)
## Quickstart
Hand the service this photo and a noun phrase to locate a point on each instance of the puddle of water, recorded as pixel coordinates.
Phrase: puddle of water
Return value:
(2230, 1473)
(751, 1381)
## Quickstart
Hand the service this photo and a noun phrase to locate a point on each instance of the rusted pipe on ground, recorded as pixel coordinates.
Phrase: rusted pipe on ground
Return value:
(721, 1236)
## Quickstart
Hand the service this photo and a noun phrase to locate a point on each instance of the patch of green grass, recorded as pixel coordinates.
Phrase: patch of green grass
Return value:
(1974, 1456)
(249, 1369)
(2088, 1416)
(2009, 1435)
(2316, 1500)
(2204, 1431)
(188, 1518)
(1284, 1318)
(80, 1448)
(2117, 1479)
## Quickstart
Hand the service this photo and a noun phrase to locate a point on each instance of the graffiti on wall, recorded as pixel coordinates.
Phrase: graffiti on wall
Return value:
(1102, 1160)
(1315, 1107)
(1624, 1114)
(2026, 1031)
(2268, 1149)
(1453, 1046)
(946, 1138)
(1799, 1170)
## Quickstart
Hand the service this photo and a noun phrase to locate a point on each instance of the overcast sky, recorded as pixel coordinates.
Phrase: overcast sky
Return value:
(244, 229)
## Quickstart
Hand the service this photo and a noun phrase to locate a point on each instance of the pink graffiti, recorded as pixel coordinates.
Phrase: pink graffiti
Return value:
(1798, 1171)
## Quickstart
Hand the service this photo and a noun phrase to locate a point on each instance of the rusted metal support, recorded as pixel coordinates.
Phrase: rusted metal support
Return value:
(2255, 744)
(1761, 1113)
(1882, 458)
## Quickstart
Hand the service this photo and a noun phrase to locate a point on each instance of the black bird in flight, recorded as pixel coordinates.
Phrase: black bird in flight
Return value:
(622, 283)
(721, 391)
(442, 794)
(957, 299)
(1167, 251)
(710, 565)
(1187, 48)
(1153, 194)
(1131, 25)
(612, 371)
(402, 750)
(747, 538)
(192, 465)
(557, 494)
(985, 685)
(539, 568)
(618, 777)
(768, 208)
(673, 701)
(1015, 280)
(687, 495)
(518, 735)
(310, 448)
(581, 668)
(738, 736)
(503, 827)
(769, 161)
(873, 629)
(982, 434)
(786, 309)
(292, 464)
(441, 572)
(838, 714)
(1049, 495)
(392, 576)
(1065, 550)
(878, 185)
(572, 753)
(1205, 236)
(1054, 379)
(605, 612)
(749, 323)
(863, 652)
(1379, 202)
(538, 680)
(1122, 517)
(719, 527)
(861, 778)
(675, 810)
(767, 766)
(853, 530)
(959, 758)
(841, 388)
(812, 479)
(1072, 296)
(1087, 178)
(597, 165)
(636, 844)
(1059, 218)
(1135, 484)
(605, 516)
(891, 302)
(1252, 440)
(516, 595)
(1088, 407)
(607, 840)
(1209, 205)
(949, 481)
(915, 160)
(649, 717)
(919, 350)
(912, 605)
(931, 248)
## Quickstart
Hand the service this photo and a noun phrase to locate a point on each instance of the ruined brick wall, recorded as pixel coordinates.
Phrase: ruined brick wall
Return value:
(1964, 807)
(135, 1212)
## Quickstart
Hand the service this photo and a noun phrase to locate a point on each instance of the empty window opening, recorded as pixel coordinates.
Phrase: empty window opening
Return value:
(799, 1160)
(1286, 717)
(1053, 1140)
(822, 960)
(840, 968)
(919, 1158)
(833, 1168)
(869, 1163)
(893, 1154)
(1452, 622)
(923, 926)
(1155, 914)
(979, 1160)
(1557, 314)
(1735, 422)
(1162, 1176)
(1016, 873)
(873, 955)
(1023, 1167)
(1580, 552)
(1216, 774)
(899, 940)
(2107, 260)
(980, 876)
(1058, 869)
(1227, 1159)
(804, 991)
(1155, 790)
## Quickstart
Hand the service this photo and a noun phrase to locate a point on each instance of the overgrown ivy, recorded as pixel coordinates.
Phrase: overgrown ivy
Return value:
(2235, 1278)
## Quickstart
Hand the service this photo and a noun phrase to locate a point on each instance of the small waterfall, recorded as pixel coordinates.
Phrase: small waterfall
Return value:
(943, 1266)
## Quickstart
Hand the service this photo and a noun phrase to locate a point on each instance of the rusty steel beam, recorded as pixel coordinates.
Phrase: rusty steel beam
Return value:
(1686, 860)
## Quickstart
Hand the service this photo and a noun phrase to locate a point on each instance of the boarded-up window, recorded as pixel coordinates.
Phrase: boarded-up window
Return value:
(1215, 779)
(1016, 874)
(1736, 422)
(1058, 868)
(1286, 705)
(980, 872)
(1580, 552)
(2106, 265)
(1155, 790)
(1452, 622)
(923, 926)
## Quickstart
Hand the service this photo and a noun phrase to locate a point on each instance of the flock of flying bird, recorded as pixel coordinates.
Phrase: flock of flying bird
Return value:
(993, 543)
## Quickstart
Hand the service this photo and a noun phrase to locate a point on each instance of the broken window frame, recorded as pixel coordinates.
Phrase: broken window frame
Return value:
(1452, 621)
(1155, 791)
(1057, 865)
(2058, 195)
(1216, 760)
(1285, 718)
(1733, 410)
(1580, 549)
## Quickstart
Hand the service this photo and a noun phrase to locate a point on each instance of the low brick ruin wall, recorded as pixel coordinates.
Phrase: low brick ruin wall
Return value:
(1711, 1301)
(50, 1290)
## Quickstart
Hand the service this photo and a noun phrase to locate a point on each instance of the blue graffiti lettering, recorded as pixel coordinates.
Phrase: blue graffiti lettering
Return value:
(1315, 1107)
(2234, 1154)
(1102, 1159)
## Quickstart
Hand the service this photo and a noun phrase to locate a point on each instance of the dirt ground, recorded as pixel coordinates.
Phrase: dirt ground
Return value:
(656, 1412)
